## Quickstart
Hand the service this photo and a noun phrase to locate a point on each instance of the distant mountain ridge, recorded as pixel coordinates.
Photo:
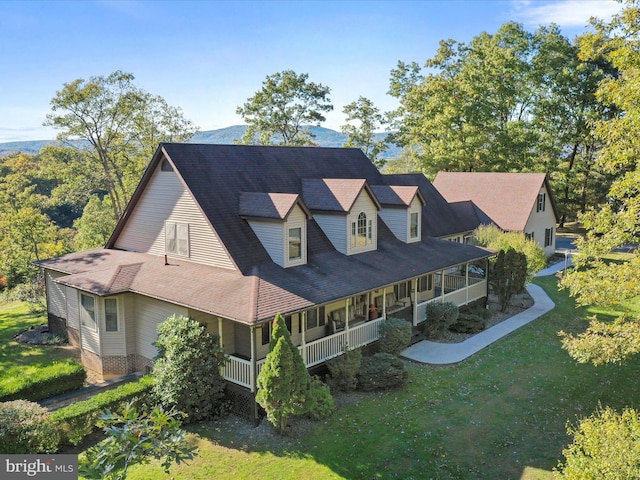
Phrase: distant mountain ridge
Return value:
(324, 137)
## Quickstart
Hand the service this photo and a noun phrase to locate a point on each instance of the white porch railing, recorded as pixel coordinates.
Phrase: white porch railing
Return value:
(476, 290)
(237, 370)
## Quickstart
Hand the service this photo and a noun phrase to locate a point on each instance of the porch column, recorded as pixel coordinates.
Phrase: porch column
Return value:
(466, 282)
(442, 285)
(384, 303)
(252, 367)
(414, 289)
(303, 319)
(346, 322)
(220, 332)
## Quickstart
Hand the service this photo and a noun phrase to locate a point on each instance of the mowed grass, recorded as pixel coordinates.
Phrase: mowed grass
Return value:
(501, 414)
(18, 360)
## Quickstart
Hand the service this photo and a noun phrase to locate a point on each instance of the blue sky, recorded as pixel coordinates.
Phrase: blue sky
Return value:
(208, 57)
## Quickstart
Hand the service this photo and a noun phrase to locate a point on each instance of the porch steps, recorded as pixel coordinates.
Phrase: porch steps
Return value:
(54, 403)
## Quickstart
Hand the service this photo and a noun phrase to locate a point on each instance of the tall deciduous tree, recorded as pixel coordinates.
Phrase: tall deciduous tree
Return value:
(282, 111)
(362, 134)
(284, 382)
(118, 125)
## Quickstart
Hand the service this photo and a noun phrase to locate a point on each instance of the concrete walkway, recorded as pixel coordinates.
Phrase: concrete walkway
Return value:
(446, 353)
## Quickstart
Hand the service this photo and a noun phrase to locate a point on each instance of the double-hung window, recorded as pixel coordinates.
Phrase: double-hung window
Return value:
(111, 315)
(413, 225)
(177, 238)
(88, 311)
(295, 243)
(541, 202)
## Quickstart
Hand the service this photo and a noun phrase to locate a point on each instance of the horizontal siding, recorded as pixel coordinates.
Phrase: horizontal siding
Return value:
(415, 207)
(335, 228)
(90, 338)
(363, 204)
(150, 313)
(166, 199)
(297, 218)
(271, 235)
(396, 220)
(113, 343)
(56, 295)
(73, 314)
(129, 322)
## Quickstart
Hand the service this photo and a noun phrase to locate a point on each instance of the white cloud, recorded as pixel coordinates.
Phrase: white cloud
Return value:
(565, 13)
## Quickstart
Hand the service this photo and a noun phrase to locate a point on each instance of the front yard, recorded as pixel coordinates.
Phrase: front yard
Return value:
(500, 414)
(19, 361)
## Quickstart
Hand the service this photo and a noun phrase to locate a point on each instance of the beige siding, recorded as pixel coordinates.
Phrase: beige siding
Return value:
(129, 322)
(335, 228)
(113, 343)
(297, 219)
(415, 207)
(56, 295)
(366, 205)
(90, 337)
(538, 222)
(243, 341)
(166, 199)
(271, 235)
(396, 220)
(73, 319)
(150, 313)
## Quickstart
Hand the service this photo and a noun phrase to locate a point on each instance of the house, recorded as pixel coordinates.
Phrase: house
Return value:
(231, 235)
(520, 202)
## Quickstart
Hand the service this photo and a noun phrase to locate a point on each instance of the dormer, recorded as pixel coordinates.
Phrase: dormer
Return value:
(346, 210)
(279, 220)
(401, 210)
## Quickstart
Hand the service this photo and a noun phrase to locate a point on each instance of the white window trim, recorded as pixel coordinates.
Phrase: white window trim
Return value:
(103, 310)
(179, 228)
(417, 237)
(289, 262)
(83, 312)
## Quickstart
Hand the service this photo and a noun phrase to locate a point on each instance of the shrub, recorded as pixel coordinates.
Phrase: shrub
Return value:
(381, 371)
(187, 369)
(60, 378)
(605, 446)
(26, 427)
(440, 316)
(319, 402)
(343, 370)
(469, 323)
(395, 335)
(79, 419)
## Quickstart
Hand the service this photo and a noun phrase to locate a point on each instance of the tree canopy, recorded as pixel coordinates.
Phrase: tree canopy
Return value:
(282, 111)
(362, 134)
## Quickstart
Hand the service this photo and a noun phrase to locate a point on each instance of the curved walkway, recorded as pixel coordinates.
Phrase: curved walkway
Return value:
(446, 353)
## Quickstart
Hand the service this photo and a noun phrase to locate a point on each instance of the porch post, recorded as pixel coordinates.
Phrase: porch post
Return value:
(220, 333)
(252, 367)
(303, 319)
(414, 287)
(346, 322)
(384, 303)
(442, 279)
(466, 281)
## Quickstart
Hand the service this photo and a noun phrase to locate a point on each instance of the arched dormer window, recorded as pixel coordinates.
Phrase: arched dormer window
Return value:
(361, 231)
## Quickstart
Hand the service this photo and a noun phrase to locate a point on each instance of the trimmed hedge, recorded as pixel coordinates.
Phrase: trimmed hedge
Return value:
(381, 371)
(440, 316)
(79, 419)
(395, 335)
(343, 370)
(61, 378)
(469, 323)
(26, 428)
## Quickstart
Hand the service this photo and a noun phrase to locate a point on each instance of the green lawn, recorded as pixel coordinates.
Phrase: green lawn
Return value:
(16, 359)
(501, 414)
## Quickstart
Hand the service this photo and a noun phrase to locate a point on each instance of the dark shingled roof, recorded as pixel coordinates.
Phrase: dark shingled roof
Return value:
(395, 195)
(267, 205)
(222, 178)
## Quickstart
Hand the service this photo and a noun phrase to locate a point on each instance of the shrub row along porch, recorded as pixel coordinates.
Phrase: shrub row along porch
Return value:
(325, 332)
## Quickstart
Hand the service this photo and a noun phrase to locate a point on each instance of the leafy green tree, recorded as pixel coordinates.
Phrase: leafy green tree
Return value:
(605, 447)
(507, 275)
(283, 110)
(284, 382)
(96, 224)
(187, 369)
(493, 238)
(363, 134)
(614, 223)
(136, 438)
(118, 125)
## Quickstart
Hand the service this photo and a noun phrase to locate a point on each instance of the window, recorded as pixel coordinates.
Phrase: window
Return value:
(165, 166)
(111, 315)
(177, 238)
(361, 231)
(295, 243)
(312, 319)
(287, 321)
(548, 237)
(413, 225)
(402, 290)
(529, 236)
(88, 311)
(265, 333)
(542, 197)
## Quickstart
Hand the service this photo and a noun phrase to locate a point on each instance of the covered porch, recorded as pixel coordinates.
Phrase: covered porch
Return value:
(324, 332)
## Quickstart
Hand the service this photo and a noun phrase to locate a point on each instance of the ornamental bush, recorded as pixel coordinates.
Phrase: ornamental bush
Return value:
(440, 316)
(26, 427)
(343, 370)
(468, 323)
(395, 335)
(56, 379)
(319, 402)
(187, 369)
(381, 371)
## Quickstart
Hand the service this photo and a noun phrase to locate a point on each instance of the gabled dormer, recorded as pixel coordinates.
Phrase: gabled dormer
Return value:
(346, 210)
(401, 210)
(279, 220)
